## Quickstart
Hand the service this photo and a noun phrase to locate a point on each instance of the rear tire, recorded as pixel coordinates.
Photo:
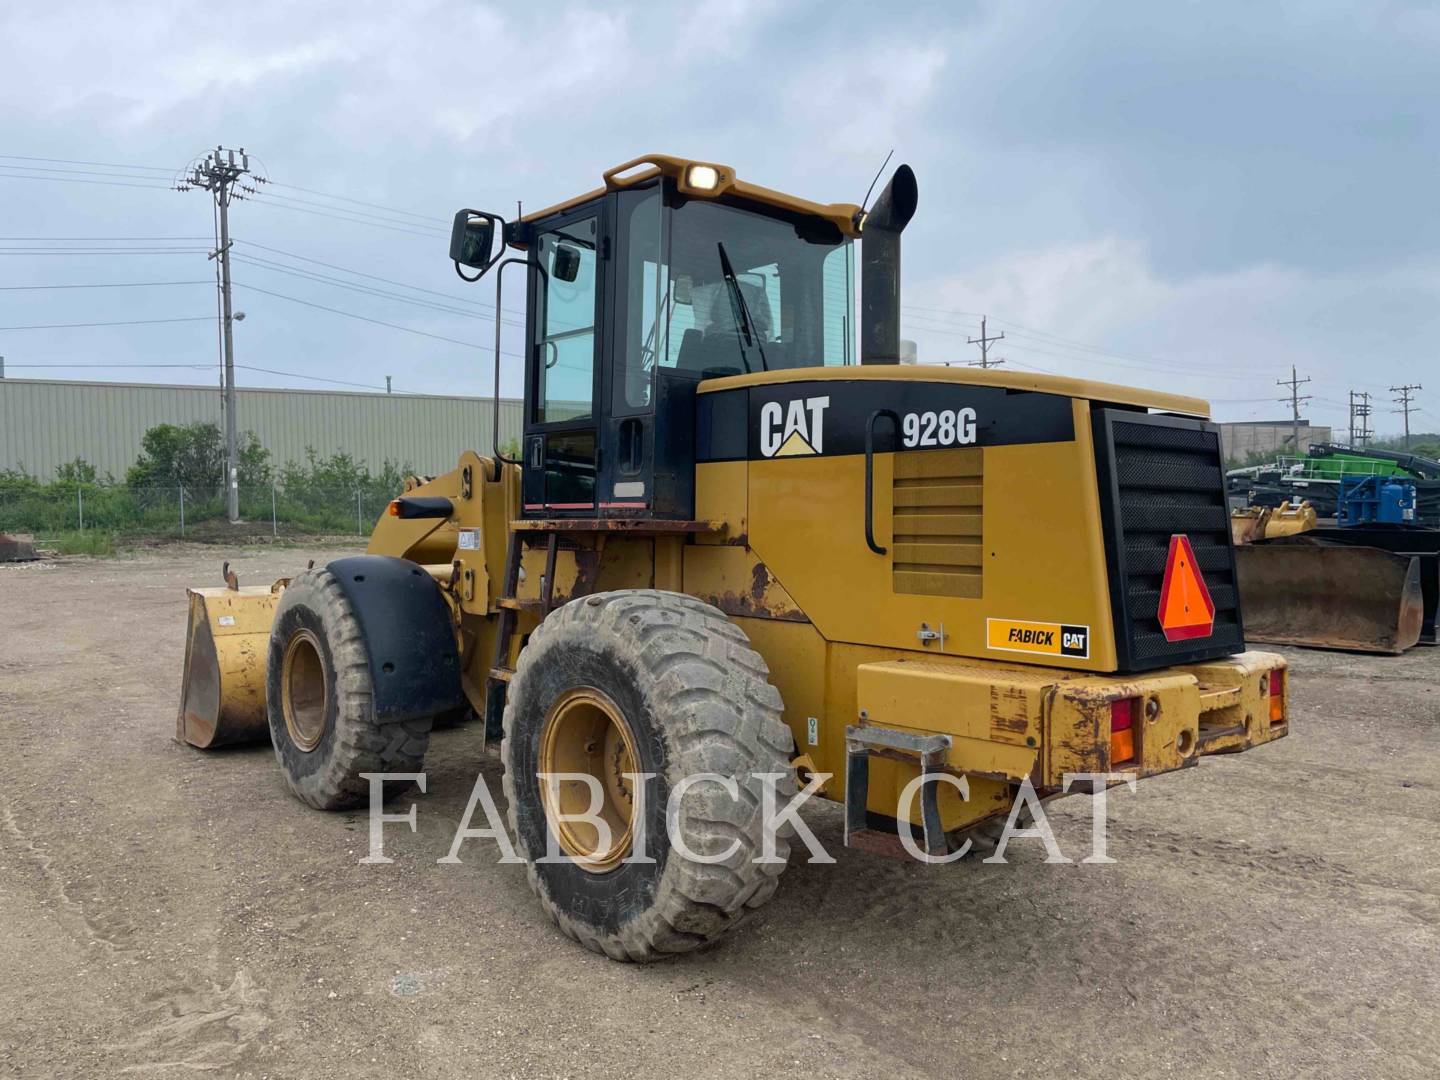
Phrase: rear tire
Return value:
(319, 699)
(663, 684)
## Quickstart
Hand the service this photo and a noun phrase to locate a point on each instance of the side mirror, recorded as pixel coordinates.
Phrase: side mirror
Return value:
(472, 239)
(565, 264)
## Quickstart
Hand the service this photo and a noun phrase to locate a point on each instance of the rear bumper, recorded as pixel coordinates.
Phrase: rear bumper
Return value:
(1009, 723)
(1179, 716)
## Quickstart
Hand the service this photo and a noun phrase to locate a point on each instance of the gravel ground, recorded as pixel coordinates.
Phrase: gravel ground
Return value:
(165, 911)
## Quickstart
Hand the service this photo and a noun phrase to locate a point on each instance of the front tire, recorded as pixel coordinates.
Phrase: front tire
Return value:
(320, 701)
(640, 681)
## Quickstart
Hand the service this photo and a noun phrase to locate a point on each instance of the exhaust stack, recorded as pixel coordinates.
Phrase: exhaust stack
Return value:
(880, 268)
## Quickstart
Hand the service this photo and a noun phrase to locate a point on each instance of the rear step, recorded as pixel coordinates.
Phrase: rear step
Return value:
(863, 741)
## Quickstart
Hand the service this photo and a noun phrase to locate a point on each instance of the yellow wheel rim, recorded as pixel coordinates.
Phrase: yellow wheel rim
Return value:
(586, 734)
(304, 693)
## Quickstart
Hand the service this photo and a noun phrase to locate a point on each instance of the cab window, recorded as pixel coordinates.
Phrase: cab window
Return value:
(713, 289)
(565, 328)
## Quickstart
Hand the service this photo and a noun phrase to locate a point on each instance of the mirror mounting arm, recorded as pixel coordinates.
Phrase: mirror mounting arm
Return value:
(500, 455)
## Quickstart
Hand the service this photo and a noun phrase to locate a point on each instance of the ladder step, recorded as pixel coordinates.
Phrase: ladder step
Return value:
(503, 674)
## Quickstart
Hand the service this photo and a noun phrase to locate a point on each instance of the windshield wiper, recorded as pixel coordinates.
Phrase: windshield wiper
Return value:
(741, 311)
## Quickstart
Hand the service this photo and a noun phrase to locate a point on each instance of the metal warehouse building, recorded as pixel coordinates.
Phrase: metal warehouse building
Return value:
(1269, 437)
(45, 423)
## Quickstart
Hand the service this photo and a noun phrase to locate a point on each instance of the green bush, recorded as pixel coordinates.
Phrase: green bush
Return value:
(335, 494)
(194, 455)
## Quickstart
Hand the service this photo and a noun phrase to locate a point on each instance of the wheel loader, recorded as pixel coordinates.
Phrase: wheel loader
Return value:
(738, 554)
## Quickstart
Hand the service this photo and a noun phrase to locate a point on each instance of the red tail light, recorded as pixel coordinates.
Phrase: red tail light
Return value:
(1277, 696)
(1122, 731)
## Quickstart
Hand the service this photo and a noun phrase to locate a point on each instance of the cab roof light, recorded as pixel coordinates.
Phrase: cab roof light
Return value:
(702, 177)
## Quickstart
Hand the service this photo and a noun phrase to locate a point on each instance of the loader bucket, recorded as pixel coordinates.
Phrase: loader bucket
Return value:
(1330, 596)
(222, 698)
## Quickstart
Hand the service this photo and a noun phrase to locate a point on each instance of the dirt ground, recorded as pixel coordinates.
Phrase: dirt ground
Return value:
(165, 911)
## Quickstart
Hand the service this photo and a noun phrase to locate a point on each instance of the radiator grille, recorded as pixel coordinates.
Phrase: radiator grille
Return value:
(1161, 476)
(937, 550)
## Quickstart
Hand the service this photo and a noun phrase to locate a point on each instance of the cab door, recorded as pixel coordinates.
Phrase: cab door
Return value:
(566, 335)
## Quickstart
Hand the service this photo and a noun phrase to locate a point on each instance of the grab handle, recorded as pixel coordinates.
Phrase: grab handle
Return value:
(870, 474)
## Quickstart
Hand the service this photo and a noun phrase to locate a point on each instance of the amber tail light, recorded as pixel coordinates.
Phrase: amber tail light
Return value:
(1122, 731)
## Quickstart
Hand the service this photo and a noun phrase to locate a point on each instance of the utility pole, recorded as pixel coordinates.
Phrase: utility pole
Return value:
(984, 342)
(1295, 398)
(1407, 395)
(387, 384)
(1359, 410)
(2, 367)
(217, 174)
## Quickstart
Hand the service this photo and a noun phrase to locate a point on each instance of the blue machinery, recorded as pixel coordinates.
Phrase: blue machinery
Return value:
(1375, 500)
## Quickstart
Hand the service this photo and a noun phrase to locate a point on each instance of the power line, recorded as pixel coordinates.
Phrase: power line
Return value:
(364, 290)
(358, 202)
(1070, 358)
(372, 277)
(26, 169)
(1145, 365)
(366, 318)
(102, 285)
(357, 215)
(94, 239)
(484, 314)
(319, 378)
(340, 217)
(196, 367)
(106, 164)
(166, 173)
(142, 248)
(1046, 337)
(103, 251)
(72, 180)
(128, 322)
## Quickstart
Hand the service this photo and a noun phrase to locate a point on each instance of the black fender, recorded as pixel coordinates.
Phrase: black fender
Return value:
(414, 664)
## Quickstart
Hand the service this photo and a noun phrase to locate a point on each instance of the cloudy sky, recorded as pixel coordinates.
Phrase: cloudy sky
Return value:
(1185, 196)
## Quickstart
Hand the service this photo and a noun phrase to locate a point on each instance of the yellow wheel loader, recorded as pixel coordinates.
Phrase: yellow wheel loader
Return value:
(734, 556)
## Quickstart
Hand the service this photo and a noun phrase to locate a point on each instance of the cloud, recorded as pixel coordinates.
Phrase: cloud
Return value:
(878, 96)
(1228, 188)
(133, 64)
(1100, 309)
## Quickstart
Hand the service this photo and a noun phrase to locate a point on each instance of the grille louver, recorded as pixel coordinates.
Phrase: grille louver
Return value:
(938, 543)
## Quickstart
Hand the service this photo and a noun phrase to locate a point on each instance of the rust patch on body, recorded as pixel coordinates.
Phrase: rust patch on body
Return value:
(765, 599)
(745, 606)
(1010, 718)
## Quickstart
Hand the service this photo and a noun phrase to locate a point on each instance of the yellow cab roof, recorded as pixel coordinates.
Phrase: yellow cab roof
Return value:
(847, 217)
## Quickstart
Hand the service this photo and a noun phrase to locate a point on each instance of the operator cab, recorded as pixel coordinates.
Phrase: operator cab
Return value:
(672, 273)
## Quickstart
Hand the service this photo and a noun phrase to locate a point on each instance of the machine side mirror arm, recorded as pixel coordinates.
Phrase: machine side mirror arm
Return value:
(870, 474)
(500, 455)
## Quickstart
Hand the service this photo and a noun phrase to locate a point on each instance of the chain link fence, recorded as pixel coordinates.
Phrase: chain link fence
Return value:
(182, 512)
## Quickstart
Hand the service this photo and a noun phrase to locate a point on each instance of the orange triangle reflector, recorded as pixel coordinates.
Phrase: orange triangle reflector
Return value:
(1186, 610)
